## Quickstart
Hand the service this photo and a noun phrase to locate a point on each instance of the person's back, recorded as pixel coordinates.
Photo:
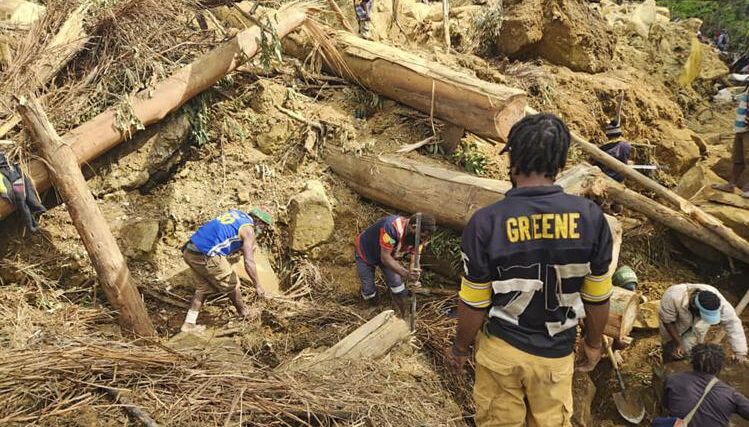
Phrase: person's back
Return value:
(684, 390)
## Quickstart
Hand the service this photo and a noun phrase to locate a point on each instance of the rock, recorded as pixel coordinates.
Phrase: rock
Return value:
(274, 140)
(152, 151)
(266, 95)
(564, 32)
(695, 180)
(677, 147)
(140, 237)
(583, 392)
(267, 276)
(311, 217)
(647, 317)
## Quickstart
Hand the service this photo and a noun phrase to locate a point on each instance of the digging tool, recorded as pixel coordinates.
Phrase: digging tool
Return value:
(415, 266)
(619, 109)
(630, 406)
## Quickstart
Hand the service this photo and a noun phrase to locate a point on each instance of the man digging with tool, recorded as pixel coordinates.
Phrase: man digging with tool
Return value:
(535, 263)
(207, 251)
(381, 245)
(740, 150)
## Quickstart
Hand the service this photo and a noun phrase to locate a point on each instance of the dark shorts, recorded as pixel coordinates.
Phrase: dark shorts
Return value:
(740, 152)
(366, 274)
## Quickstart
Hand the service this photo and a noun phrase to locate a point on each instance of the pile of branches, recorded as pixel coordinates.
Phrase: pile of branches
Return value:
(131, 44)
(435, 332)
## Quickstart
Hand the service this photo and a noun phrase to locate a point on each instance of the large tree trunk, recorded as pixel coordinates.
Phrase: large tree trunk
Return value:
(101, 245)
(622, 313)
(486, 109)
(101, 133)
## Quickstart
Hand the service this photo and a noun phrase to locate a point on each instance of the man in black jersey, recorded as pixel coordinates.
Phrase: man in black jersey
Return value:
(535, 263)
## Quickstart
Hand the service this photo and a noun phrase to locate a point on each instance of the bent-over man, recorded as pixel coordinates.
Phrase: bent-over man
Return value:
(207, 251)
(382, 245)
(686, 313)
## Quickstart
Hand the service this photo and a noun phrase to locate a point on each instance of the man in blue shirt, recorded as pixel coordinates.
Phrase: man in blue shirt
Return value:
(740, 151)
(206, 253)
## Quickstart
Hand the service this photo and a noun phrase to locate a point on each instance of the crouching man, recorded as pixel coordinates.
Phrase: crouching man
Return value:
(381, 245)
(687, 311)
(207, 251)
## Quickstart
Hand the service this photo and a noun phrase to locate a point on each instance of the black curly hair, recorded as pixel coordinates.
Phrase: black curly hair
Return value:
(538, 143)
(708, 358)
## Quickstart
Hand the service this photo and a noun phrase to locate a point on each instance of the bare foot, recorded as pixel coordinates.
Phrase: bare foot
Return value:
(242, 311)
(192, 328)
(727, 187)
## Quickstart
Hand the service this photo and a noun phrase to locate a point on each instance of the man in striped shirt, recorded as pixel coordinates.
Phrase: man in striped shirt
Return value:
(536, 263)
(207, 251)
(740, 152)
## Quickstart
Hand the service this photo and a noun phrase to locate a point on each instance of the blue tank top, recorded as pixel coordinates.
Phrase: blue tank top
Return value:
(220, 236)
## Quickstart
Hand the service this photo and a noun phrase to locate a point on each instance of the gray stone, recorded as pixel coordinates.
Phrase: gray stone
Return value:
(140, 238)
(311, 217)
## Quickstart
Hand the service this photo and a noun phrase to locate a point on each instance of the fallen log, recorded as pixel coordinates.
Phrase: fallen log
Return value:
(95, 233)
(623, 311)
(685, 206)
(415, 187)
(612, 190)
(371, 340)
(486, 109)
(95, 137)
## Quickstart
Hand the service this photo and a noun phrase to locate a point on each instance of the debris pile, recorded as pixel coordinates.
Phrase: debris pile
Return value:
(328, 137)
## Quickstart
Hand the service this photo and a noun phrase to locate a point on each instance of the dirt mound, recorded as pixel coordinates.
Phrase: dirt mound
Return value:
(564, 32)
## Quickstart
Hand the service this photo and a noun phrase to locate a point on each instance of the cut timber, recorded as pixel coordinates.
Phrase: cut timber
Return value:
(486, 109)
(622, 313)
(412, 186)
(100, 134)
(371, 340)
(711, 223)
(415, 187)
(100, 244)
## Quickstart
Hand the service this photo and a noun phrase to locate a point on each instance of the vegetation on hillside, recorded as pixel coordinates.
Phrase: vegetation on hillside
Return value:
(731, 15)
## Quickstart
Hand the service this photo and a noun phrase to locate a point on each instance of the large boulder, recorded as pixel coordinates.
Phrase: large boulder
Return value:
(311, 217)
(678, 147)
(151, 152)
(564, 32)
(139, 237)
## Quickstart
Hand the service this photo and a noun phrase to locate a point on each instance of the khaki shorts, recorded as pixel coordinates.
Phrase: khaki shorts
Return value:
(216, 270)
(740, 152)
(514, 388)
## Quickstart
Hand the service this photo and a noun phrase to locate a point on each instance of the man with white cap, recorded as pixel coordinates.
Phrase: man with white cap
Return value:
(687, 311)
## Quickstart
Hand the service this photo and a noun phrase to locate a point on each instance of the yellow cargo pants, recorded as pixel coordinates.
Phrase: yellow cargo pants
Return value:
(514, 388)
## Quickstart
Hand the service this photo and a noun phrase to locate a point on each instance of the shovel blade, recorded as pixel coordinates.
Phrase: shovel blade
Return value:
(630, 407)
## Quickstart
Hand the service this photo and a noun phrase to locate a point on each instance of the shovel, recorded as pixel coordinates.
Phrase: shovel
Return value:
(629, 405)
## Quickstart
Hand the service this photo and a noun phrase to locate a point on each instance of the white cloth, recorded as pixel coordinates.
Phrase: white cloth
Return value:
(675, 309)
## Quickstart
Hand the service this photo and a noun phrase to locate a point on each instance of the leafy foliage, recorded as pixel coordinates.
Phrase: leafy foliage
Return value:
(730, 15)
(471, 158)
